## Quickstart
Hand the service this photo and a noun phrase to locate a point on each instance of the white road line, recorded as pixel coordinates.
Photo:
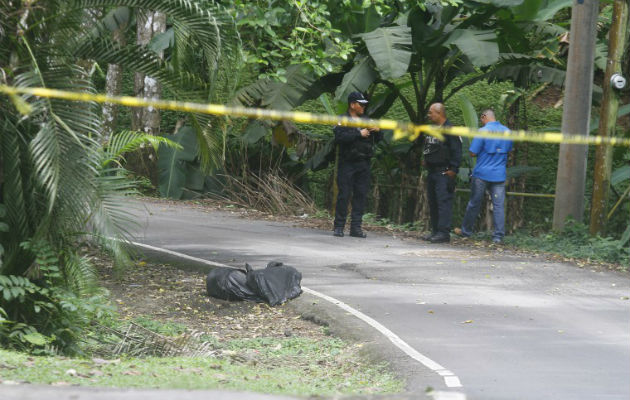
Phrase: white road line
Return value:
(447, 395)
(180, 255)
(450, 379)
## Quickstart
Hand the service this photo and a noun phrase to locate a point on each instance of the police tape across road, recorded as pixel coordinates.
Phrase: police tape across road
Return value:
(401, 129)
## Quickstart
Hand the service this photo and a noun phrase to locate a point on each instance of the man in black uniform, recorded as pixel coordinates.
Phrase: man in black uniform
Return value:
(353, 175)
(442, 160)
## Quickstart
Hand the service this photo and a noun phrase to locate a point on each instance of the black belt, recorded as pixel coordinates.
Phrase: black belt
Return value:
(437, 168)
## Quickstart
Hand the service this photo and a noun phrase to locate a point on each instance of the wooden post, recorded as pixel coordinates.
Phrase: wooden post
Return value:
(608, 117)
(571, 177)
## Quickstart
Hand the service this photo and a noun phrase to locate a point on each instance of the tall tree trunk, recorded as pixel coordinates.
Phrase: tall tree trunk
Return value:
(608, 117)
(113, 87)
(149, 23)
(576, 113)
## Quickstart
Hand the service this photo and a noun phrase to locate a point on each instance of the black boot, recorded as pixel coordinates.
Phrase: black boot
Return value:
(338, 232)
(428, 236)
(357, 232)
(440, 237)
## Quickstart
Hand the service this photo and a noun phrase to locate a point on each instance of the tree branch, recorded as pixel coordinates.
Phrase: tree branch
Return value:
(408, 107)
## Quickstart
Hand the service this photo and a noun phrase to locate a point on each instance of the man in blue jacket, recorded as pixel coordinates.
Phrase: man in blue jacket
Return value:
(489, 174)
(356, 147)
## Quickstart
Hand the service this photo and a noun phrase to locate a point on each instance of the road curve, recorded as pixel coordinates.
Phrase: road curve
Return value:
(509, 327)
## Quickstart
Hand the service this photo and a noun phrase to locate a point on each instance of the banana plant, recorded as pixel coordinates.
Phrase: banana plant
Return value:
(427, 47)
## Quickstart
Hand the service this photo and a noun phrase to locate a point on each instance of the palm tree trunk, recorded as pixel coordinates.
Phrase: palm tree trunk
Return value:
(113, 87)
(149, 23)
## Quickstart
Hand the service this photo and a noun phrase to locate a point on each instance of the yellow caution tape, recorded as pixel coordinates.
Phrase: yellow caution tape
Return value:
(401, 129)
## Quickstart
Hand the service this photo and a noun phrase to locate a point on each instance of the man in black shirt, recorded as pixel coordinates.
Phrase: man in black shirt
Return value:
(442, 159)
(353, 175)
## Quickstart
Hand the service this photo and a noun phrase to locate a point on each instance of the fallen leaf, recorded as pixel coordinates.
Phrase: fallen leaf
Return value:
(132, 373)
(100, 361)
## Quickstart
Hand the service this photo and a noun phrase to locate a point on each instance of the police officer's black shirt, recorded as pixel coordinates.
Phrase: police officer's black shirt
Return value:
(443, 154)
(352, 146)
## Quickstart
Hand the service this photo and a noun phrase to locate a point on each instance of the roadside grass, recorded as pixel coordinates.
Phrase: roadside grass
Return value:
(574, 242)
(292, 366)
(165, 332)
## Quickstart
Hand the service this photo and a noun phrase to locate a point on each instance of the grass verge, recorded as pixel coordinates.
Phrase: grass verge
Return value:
(291, 366)
(240, 346)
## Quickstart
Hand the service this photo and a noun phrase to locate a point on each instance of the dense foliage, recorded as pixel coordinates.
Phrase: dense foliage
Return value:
(62, 183)
(407, 55)
(61, 186)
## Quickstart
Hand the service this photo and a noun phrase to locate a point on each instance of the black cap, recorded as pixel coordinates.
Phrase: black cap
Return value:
(358, 97)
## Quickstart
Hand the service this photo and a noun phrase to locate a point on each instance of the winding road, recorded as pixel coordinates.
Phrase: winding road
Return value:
(495, 325)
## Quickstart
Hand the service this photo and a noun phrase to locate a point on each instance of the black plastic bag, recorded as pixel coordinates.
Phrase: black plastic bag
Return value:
(273, 285)
(230, 284)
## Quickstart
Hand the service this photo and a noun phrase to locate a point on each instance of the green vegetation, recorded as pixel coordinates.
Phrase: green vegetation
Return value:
(285, 366)
(161, 327)
(64, 179)
(574, 242)
(63, 184)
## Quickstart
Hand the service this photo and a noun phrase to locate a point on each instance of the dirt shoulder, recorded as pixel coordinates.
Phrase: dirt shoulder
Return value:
(165, 293)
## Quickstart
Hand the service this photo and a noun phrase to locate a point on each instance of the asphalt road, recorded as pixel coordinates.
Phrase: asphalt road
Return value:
(507, 326)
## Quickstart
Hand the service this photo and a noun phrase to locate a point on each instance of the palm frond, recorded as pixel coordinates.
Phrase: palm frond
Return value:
(208, 21)
(111, 218)
(14, 189)
(79, 274)
(140, 59)
(127, 141)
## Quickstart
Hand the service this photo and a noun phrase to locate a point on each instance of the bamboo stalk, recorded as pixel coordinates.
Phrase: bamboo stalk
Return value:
(608, 118)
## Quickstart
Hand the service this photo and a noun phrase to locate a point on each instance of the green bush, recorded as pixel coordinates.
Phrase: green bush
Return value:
(39, 314)
(575, 242)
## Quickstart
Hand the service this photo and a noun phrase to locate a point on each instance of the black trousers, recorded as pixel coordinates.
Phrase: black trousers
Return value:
(353, 180)
(440, 193)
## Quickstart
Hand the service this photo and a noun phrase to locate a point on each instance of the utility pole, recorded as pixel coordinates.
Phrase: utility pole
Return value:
(608, 116)
(571, 177)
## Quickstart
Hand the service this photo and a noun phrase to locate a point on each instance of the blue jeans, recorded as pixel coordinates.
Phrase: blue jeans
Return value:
(477, 190)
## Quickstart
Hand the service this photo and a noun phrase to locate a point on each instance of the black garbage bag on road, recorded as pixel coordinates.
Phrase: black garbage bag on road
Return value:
(230, 284)
(272, 285)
